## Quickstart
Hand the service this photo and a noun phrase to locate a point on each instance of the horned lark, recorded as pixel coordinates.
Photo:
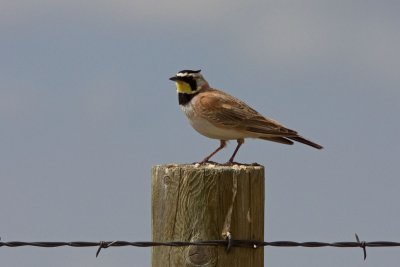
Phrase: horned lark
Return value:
(218, 115)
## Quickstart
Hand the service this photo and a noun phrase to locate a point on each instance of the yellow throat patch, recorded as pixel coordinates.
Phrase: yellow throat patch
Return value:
(182, 87)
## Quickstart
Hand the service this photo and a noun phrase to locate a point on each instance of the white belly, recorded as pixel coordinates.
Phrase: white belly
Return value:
(206, 128)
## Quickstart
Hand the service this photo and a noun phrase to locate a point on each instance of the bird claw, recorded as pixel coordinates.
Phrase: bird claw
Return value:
(204, 162)
(231, 163)
(228, 163)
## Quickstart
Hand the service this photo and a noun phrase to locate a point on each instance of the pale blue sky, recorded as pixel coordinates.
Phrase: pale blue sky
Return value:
(86, 108)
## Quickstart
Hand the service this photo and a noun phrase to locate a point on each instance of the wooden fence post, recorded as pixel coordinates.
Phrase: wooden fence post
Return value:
(191, 203)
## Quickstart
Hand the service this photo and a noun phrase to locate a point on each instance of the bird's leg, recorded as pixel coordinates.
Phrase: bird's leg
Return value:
(221, 146)
(240, 142)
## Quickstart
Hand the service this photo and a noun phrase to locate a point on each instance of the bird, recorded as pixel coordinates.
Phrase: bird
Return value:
(219, 115)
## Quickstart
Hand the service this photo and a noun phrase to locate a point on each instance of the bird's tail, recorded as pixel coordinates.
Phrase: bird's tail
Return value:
(305, 141)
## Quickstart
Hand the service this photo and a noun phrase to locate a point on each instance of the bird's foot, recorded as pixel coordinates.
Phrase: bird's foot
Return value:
(231, 163)
(204, 162)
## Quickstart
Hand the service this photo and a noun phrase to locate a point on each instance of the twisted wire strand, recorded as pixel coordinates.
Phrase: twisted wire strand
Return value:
(223, 243)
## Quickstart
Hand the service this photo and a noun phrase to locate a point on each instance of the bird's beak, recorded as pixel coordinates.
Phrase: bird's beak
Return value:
(174, 78)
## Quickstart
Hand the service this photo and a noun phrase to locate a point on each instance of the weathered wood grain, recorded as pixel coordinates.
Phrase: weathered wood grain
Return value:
(191, 202)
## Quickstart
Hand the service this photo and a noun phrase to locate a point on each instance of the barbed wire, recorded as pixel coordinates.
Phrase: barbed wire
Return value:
(228, 243)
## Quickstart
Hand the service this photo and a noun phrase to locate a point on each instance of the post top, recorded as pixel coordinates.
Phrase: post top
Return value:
(253, 166)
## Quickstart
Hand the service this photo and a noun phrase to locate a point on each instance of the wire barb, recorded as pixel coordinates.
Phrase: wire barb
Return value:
(104, 244)
(230, 240)
(362, 245)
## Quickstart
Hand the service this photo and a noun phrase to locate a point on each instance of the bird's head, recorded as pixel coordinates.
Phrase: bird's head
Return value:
(189, 81)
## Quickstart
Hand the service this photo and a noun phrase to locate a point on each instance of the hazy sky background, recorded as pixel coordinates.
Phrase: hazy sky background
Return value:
(86, 109)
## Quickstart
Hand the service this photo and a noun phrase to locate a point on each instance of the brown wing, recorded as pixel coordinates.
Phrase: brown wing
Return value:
(223, 110)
